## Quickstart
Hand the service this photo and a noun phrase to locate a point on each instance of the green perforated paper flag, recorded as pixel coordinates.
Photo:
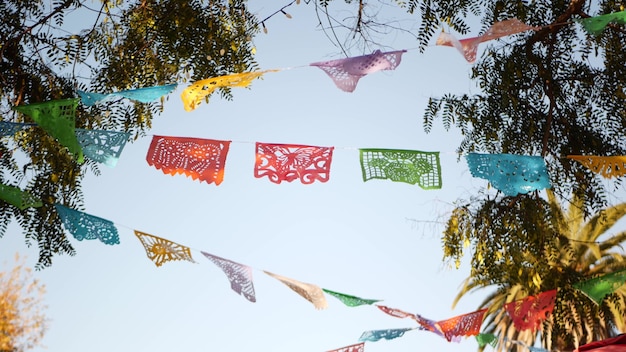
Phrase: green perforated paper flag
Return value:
(598, 287)
(409, 166)
(351, 301)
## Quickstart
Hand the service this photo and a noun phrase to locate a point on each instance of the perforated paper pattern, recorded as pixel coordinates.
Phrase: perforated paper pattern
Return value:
(462, 325)
(200, 159)
(409, 166)
(396, 312)
(310, 292)
(18, 198)
(288, 162)
(193, 95)
(239, 275)
(160, 250)
(84, 226)
(484, 339)
(388, 334)
(529, 312)
(358, 347)
(58, 119)
(597, 288)
(143, 95)
(511, 174)
(102, 146)
(351, 301)
(606, 166)
(346, 73)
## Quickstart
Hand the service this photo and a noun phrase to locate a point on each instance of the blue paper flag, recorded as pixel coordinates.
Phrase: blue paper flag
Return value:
(87, 227)
(11, 128)
(143, 95)
(511, 174)
(389, 334)
(102, 146)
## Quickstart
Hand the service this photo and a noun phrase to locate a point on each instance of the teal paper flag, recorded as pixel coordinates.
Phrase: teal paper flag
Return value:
(486, 339)
(18, 198)
(87, 227)
(143, 95)
(409, 166)
(102, 146)
(389, 334)
(599, 287)
(11, 128)
(351, 301)
(595, 25)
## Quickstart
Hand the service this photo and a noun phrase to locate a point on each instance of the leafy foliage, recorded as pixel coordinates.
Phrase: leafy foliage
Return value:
(122, 45)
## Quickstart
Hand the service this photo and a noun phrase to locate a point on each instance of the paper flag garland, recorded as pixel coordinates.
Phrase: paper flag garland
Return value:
(160, 250)
(102, 146)
(462, 325)
(11, 128)
(486, 339)
(58, 119)
(287, 162)
(511, 174)
(389, 334)
(87, 227)
(598, 287)
(347, 72)
(351, 301)
(310, 292)
(410, 166)
(529, 312)
(202, 159)
(239, 275)
(18, 198)
(396, 312)
(607, 166)
(469, 46)
(193, 95)
(143, 95)
(359, 347)
(595, 25)
(428, 325)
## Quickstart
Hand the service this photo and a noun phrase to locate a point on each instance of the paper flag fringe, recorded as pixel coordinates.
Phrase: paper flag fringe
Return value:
(310, 292)
(160, 250)
(143, 95)
(193, 95)
(202, 159)
(351, 301)
(87, 227)
(529, 312)
(597, 288)
(346, 73)
(607, 166)
(511, 174)
(410, 166)
(239, 275)
(18, 198)
(288, 162)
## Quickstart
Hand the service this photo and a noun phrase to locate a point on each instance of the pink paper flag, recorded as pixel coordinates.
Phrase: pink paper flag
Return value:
(288, 162)
(347, 72)
(310, 292)
(359, 347)
(396, 312)
(468, 47)
(462, 325)
(239, 275)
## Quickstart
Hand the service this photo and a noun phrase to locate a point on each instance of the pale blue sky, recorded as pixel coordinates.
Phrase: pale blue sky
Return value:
(345, 235)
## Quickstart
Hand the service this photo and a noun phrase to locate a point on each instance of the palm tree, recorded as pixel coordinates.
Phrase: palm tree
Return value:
(579, 250)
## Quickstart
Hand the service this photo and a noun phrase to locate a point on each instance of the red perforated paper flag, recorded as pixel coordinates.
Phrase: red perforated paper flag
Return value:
(529, 312)
(288, 162)
(462, 325)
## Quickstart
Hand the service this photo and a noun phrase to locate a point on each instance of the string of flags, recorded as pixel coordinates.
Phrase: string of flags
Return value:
(204, 160)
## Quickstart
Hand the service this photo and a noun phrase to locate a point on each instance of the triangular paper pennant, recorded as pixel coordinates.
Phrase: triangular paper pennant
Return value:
(511, 174)
(143, 95)
(18, 198)
(462, 325)
(410, 166)
(396, 312)
(8, 129)
(102, 146)
(358, 347)
(484, 339)
(469, 46)
(389, 334)
(347, 72)
(87, 227)
(202, 159)
(58, 119)
(160, 250)
(607, 166)
(193, 95)
(288, 162)
(428, 325)
(310, 292)
(598, 287)
(530, 312)
(595, 25)
(239, 275)
(351, 301)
